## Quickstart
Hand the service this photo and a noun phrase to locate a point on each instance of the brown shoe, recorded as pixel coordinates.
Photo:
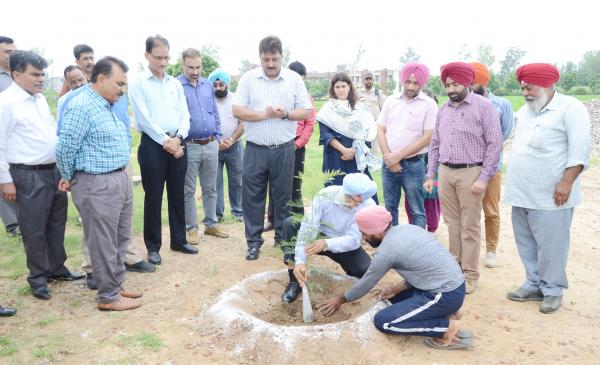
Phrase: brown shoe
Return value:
(122, 304)
(192, 237)
(131, 294)
(215, 231)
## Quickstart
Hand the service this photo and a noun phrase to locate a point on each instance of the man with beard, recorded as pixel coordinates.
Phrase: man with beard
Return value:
(231, 151)
(426, 302)
(467, 142)
(92, 153)
(491, 198)
(28, 172)
(404, 130)
(202, 147)
(550, 149)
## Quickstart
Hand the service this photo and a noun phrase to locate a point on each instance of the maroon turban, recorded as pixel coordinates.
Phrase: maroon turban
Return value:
(539, 74)
(461, 72)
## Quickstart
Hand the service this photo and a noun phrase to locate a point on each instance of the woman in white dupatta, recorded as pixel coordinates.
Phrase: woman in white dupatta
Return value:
(346, 130)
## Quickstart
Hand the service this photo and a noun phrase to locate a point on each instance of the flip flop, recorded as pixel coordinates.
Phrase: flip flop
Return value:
(460, 344)
(464, 334)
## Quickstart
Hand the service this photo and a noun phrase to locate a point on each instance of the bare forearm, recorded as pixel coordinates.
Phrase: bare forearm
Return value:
(571, 173)
(299, 114)
(337, 145)
(417, 146)
(238, 132)
(382, 140)
(248, 115)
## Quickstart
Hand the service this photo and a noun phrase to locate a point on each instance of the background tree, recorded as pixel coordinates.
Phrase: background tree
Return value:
(359, 54)
(410, 55)
(463, 52)
(287, 53)
(435, 84)
(247, 66)
(589, 69)
(485, 55)
(509, 63)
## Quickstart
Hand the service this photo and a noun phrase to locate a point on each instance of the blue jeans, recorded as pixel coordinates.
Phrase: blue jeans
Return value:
(410, 179)
(232, 159)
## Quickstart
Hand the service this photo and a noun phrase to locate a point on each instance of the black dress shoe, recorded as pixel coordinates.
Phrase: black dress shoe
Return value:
(7, 312)
(41, 292)
(253, 253)
(187, 248)
(67, 276)
(291, 292)
(269, 226)
(154, 258)
(91, 282)
(141, 266)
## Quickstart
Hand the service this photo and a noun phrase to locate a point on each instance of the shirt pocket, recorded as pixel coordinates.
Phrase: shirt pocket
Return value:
(415, 121)
(543, 135)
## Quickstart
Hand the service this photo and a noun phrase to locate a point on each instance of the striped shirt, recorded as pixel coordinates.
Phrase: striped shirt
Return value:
(92, 139)
(159, 106)
(256, 92)
(544, 145)
(467, 133)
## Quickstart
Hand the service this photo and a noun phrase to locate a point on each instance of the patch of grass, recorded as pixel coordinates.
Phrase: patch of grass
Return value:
(24, 290)
(146, 340)
(7, 347)
(46, 321)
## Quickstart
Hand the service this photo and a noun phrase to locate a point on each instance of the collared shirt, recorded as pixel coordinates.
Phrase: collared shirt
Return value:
(92, 138)
(27, 130)
(229, 123)
(5, 79)
(255, 91)
(467, 133)
(330, 216)
(373, 98)
(159, 106)
(305, 128)
(504, 109)
(543, 146)
(204, 117)
(120, 108)
(405, 120)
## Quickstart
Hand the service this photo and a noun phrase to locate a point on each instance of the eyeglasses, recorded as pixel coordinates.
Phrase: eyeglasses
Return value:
(160, 58)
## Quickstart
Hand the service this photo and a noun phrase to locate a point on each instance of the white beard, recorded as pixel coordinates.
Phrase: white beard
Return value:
(539, 102)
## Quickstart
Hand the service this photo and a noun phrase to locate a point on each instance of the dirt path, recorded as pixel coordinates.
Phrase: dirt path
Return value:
(68, 329)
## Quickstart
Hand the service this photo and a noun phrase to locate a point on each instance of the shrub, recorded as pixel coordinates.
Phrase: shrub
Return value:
(580, 90)
(501, 92)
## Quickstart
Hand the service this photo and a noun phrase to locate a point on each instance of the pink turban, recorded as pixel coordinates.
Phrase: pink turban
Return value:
(373, 219)
(419, 70)
(461, 72)
(539, 74)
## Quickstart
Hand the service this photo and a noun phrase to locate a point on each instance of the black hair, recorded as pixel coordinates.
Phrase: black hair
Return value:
(271, 44)
(154, 41)
(81, 48)
(6, 40)
(105, 67)
(71, 68)
(340, 76)
(298, 67)
(19, 60)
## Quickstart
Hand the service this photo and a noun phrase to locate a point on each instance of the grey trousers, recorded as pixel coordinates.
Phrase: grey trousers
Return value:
(542, 238)
(263, 167)
(42, 216)
(8, 212)
(105, 203)
(203, 162)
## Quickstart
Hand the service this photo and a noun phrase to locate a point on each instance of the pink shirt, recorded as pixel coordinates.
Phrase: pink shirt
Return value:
(406, 120)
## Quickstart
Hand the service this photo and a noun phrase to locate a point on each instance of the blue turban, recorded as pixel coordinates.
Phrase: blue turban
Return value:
(219, 74)
(359, 184)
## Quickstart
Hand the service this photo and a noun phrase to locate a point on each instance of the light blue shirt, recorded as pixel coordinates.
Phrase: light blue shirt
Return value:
(504, 109)
(544, 145)
(159, 106)
(331, 216)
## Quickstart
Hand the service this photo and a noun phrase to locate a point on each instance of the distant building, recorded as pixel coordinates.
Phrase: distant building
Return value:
(381, 76)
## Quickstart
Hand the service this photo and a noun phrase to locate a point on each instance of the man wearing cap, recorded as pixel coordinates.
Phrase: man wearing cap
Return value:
(550, 149)
(426, 302)
(231, 152)
(404, 130)
(491, 198)
(328, 229)
(466, 142)
(374, 98)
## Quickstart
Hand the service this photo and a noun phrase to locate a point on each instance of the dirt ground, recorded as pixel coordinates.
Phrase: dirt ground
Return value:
(68, 329)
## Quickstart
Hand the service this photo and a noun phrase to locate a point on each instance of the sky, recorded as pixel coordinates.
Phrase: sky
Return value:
(320, 34)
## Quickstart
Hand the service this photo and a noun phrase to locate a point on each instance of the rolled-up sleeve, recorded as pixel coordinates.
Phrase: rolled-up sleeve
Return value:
(579, 136)
(302, 98)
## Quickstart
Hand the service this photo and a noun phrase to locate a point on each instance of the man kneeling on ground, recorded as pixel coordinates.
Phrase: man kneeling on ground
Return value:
(331, 220)
(427, 302)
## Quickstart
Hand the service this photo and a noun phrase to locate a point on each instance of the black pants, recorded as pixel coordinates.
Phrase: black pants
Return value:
(263, 167)
(157, 167)
(42, 216)
(296, 206)
(354, 263)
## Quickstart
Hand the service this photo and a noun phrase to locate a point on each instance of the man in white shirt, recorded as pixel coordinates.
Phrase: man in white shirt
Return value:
(28, 172)
(161, 114)
(231, 150)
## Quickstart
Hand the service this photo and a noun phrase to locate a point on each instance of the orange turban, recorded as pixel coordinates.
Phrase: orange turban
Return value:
(539, 74)
(482, 74)
(460, 72)
(373, 219)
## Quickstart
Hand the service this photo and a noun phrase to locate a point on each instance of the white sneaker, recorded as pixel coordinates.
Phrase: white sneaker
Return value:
(490, 259)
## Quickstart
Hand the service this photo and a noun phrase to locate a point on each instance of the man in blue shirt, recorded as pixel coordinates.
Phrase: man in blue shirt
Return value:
(92, 153)
(202, 147)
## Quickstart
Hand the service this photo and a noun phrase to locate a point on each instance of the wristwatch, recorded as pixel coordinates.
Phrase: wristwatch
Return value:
(181, 140)
(286, 116)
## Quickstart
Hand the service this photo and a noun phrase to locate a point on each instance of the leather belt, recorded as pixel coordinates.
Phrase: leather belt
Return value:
(21, 166)
(462, 165)
(116, 170)
(273, 146)
(202, 141)
(413, 159)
